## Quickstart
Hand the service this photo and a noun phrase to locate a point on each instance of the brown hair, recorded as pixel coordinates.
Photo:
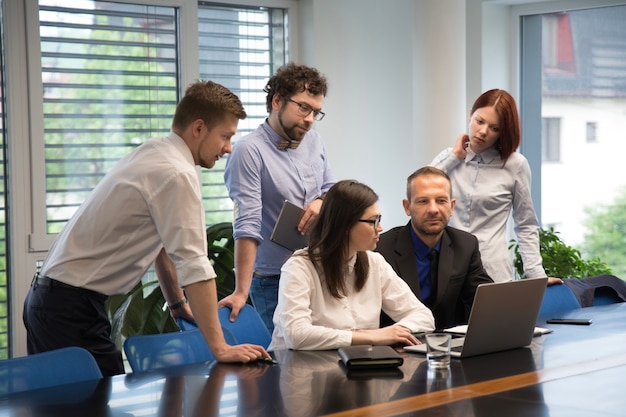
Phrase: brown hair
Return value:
(343, 206)
(510, 129)
(208, 101)
(291, 79)
(427, 170)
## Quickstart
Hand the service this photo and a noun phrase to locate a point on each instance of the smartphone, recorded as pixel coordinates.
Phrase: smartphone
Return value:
(584, 322)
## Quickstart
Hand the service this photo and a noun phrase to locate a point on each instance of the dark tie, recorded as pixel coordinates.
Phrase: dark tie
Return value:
(433, 255)
(284, 144)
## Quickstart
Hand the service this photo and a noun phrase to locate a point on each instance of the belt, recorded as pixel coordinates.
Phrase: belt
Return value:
(53, 283)
(266, 276)
(49, 282)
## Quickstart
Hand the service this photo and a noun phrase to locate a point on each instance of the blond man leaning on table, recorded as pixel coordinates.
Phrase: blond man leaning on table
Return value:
(331, 293)
(146, 210)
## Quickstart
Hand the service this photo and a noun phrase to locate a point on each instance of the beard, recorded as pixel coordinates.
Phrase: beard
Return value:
(293, 131)
(429, 230)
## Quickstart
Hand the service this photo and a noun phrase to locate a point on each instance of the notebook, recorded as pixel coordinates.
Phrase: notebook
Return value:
(285, 231)
(503, 317)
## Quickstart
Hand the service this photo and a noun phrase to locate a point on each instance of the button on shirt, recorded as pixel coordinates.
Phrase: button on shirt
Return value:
(151, 199)
(486, 193)
(260, 177)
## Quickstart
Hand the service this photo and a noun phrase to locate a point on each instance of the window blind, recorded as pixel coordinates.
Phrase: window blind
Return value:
(240, 48)
(110, 81)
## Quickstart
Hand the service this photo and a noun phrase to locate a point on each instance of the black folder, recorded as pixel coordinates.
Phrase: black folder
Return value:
(367, 356)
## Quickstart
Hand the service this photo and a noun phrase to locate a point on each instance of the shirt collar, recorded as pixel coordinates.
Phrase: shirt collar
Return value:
(487, 157)
(278, 141)
(420, 249)
(181, 146)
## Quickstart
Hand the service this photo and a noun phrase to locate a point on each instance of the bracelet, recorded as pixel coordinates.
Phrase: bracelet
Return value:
(178, 305)
(321, 197)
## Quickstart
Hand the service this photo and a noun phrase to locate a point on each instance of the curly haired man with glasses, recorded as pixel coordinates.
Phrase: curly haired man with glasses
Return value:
(283, 159)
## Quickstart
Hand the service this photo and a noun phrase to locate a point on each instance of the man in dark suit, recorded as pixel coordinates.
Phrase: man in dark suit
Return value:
(457, 269)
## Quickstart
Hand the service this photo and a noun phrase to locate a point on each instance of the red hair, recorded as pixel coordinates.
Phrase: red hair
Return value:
(510, 128)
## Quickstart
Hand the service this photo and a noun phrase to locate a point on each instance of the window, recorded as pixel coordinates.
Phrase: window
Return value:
(583, 81)
(551, 139)
(240, 48)
(109, 74)
(558, 48)
(591, 132)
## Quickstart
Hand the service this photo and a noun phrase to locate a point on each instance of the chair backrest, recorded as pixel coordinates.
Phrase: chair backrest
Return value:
(558, 298)
(155, 351)
(47, 369)
(185, 324)
(605, 295)
(247, 328)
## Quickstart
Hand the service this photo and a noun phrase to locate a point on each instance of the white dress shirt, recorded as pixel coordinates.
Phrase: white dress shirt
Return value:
(307, 317)
(149, 200)
(486, 193)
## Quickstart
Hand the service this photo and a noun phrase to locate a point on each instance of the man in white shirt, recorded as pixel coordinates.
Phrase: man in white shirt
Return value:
(147, 210)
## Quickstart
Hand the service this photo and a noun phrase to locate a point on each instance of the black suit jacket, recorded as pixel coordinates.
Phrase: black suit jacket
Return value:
(460, 271)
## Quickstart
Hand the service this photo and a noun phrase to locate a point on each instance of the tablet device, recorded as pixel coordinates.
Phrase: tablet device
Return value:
(285, 231)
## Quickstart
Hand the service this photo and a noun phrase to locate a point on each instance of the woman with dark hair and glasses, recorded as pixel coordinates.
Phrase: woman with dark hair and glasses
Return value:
(331, 293)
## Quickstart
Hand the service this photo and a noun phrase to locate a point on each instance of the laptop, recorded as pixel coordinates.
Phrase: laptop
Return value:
(503, 317)
(285, 231)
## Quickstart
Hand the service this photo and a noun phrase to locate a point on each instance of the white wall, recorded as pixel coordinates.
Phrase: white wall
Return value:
(396, 96)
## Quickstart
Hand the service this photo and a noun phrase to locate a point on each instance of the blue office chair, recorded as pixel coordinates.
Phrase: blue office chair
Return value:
(148, 352)
(48, 369)
(185, 324)
(605, 295)
(248, 328)
(558, 298)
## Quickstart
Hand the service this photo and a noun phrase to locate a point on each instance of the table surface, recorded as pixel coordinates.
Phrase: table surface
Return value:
(574, 371)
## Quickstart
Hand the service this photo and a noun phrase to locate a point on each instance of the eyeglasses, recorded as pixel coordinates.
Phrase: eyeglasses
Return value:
(374, 222)
(304, 110)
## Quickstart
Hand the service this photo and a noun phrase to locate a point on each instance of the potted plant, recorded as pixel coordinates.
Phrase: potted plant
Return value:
(143, 310)
(559, 259)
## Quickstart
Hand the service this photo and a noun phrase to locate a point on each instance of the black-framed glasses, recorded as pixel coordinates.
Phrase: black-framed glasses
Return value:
(304, 110)
(374, 222)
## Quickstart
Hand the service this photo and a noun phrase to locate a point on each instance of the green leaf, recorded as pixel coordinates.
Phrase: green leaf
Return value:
(559, 259)
(143, 311)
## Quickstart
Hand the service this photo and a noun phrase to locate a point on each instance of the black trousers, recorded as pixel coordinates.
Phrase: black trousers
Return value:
(58, 316)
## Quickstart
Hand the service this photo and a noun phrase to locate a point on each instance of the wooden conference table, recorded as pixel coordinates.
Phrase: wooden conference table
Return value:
(574, 371)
